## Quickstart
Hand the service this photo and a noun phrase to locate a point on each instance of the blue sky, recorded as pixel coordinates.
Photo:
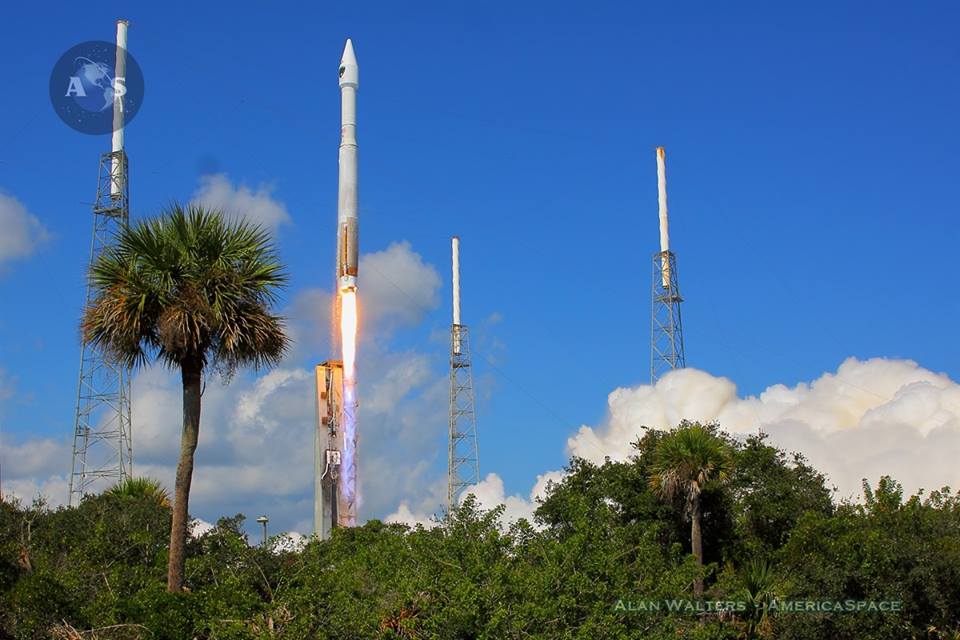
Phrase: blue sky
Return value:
(812, 161)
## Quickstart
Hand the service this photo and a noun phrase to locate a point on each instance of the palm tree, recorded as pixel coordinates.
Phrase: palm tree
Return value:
(758, 590)
(685, 461)
(193, 291)
(141, 489)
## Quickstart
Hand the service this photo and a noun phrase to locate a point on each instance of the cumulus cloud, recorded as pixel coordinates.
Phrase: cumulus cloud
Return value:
(200, 527)
(867, 419)
(22, 232)
(254, 205)
(256, 445)
(489, 493)
(405, 515)
(398, 287)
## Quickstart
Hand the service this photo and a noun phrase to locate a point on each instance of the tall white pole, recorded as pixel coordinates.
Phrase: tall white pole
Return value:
(455, 243)
(664, 224)
(119, 85)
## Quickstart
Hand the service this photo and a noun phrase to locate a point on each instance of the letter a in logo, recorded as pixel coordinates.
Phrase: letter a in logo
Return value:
(75, 88)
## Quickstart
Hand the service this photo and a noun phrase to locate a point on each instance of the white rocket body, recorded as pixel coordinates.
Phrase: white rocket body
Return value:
(664, 224)
(347, 232)
(120, 72)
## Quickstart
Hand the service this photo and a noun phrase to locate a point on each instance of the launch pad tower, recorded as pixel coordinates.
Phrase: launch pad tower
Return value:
(666, 326)
(463, 460)
(102, 448)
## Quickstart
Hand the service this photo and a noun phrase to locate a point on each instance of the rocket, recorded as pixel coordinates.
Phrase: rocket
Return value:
(335, 443)
(347, 251)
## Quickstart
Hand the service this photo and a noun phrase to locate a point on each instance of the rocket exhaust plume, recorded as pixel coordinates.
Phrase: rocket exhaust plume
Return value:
(664, 224)
(348, 332)
(347, 262)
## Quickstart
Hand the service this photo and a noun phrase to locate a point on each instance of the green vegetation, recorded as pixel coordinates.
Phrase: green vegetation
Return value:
(194, 291)
(606, 543)
(141, 489)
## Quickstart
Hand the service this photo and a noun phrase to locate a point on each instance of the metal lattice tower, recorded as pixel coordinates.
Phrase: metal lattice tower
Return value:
(666, 327)
(102, 446)
(463, 461)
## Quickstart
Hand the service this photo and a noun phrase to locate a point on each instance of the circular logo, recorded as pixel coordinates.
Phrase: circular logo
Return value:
(84, 87)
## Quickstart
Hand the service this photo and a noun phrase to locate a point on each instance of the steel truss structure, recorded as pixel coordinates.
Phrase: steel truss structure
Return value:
(666, 326)
(463, 460)
(102, 443)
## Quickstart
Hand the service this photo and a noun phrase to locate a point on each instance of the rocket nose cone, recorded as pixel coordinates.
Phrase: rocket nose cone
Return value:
(348, 56)
(349, 72)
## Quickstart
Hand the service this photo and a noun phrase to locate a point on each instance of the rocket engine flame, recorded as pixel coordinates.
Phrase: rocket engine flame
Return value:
(348, 342)
(348, 332)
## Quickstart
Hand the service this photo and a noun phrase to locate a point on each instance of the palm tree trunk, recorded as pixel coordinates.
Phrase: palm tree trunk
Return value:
(190, 370)
(696, 542)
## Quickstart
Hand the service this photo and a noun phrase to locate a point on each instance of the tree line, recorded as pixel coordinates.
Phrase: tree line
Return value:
(605, 545)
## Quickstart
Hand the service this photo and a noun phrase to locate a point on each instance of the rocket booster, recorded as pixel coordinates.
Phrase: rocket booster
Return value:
(347, 238)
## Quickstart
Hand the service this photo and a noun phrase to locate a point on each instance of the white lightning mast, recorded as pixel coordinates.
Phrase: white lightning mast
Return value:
(102, 438)
(666, 328)
(664, 222)
(463, 466)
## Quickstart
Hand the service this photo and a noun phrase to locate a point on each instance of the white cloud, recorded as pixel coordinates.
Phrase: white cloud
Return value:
(396, 287)
(22, 232)
(489, 494)
(52, 489)
(36, 457)
(199, 527)
(256, 447)
(254, 205)
(868, 419)
(404, 515)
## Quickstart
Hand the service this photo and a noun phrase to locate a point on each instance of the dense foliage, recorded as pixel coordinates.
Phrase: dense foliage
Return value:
(603, 544)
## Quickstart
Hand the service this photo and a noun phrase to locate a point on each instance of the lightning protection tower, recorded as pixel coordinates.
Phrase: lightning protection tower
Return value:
(666, 327)
(102, 449)
(463, 462)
